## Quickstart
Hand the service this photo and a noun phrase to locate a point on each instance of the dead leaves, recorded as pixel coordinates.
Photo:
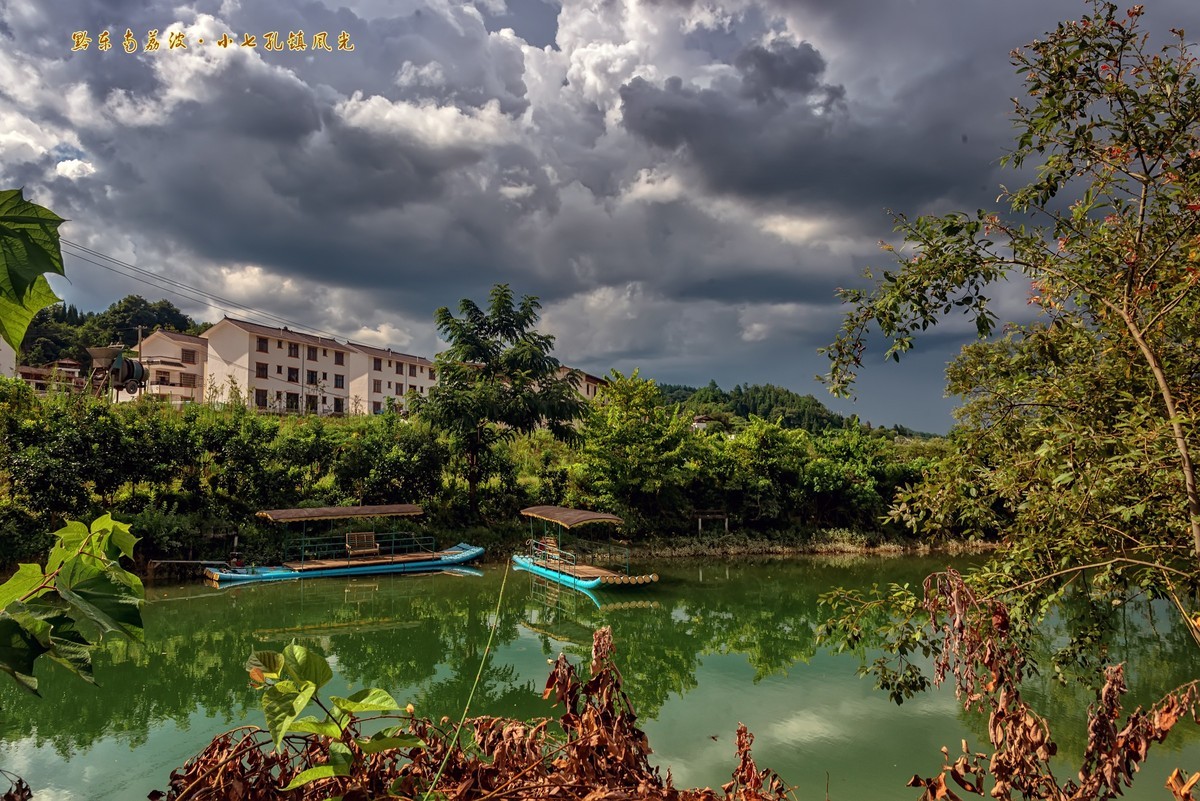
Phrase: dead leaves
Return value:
(596, 753)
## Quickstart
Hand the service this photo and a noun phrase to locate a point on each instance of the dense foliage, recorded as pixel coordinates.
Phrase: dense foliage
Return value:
(775, 404)
(187, 480)
(1078, 434)
(62, 331)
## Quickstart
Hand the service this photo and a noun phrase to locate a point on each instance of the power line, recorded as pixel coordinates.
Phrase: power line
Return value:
(178, 288)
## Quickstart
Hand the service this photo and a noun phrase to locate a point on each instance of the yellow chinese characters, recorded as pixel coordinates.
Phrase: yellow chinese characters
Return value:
(177, 40)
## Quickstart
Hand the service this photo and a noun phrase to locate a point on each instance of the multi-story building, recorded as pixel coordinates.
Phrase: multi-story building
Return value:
(8, 360)
(175, 365)
(389, 374)
(276, 369)
(589, 384)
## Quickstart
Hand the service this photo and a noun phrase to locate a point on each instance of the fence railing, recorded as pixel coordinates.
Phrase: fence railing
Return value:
(305, 547)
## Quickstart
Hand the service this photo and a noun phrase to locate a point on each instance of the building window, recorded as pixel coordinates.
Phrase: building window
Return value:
(324, 351)
(279, 369)
(399, 391)
(339, 357)
(399, 368)
(310, 377)
(293, 401)
(377, 407)
(312, 353)
(293, 374)
(310, 403)
(338, 407)
(294, 350)
(377, 385)
(262, 346)
(260, 398)
(379, 364)
(162, 377)
(324, 376)
(389, 385)
(260, 369)
(389, 362)
(339, 381)
(432, 375)
(279, 343)
(187, 356)
(187, 380)
(412, 370)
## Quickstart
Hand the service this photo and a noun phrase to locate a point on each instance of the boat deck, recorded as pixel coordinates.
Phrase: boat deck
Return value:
(590, 572)
(363, 561)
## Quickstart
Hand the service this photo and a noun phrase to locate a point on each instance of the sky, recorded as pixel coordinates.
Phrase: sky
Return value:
(683, 184)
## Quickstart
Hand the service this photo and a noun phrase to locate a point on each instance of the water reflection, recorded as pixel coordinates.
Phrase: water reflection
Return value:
(709, 646)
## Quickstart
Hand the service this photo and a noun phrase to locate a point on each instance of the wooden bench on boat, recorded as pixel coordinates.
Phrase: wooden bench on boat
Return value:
(361, 543)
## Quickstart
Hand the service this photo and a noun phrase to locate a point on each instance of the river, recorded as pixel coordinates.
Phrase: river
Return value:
(711, 645)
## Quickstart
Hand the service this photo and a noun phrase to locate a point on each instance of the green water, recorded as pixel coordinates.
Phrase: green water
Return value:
(711, 645)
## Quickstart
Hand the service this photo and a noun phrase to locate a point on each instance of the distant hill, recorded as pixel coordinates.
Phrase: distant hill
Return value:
(776, 404)
(63, 332)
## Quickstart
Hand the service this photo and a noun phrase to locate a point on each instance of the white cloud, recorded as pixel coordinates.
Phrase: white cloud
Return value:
(74, 168)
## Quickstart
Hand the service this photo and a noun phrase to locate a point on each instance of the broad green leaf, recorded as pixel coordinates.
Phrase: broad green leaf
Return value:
(379, 744)
(312, 774)
(282, 703)
(310, 725)
(18, 650)
(305, 665)
(341, 757)
(20, 584)
(269, 662)
(29, 248)
(98, 604)
(69, 539)
(366, 700)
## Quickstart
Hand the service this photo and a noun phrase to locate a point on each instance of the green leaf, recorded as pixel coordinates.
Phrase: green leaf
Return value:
(100, 604)
(312, 774)
(282, 703)
(29, 247)
(305, 665)
(378, 744)
(69, 540)
(18, 650)
(20, 584)
(310, 725)
(366, 700)
(269, 662)
(340, 756)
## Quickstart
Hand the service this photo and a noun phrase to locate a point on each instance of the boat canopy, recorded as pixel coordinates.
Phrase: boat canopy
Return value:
(339, 512)
(569, 517)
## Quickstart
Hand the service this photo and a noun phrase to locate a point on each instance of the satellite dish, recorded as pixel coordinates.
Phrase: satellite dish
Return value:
(132, 386)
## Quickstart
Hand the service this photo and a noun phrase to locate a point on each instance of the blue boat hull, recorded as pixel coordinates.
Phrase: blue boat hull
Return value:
(458, 555)
(525, 563)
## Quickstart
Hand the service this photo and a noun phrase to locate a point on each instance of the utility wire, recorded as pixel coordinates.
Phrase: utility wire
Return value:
(178, 288)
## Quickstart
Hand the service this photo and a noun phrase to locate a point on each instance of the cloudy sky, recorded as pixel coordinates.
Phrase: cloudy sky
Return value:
(683, 183)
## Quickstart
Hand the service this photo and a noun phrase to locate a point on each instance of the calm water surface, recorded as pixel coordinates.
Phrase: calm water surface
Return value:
(712, 645)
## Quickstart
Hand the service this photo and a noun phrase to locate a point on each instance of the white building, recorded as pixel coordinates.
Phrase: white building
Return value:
(175, 365)
(276, 369)
(389, 374)
(8, 360)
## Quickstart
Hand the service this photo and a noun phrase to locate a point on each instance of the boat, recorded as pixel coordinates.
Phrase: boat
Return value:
(545, 556)
(355, 553)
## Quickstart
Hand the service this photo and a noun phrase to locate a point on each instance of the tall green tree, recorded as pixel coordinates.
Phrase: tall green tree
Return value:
(1079, 427)
(28, 250)
(498, 378)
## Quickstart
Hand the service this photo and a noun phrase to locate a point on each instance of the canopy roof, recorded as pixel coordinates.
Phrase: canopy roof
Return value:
(336, 512)
(569, 517)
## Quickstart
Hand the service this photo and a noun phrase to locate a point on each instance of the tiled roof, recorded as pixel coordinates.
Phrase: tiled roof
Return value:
(388, 353)
(285, 333)
(178, 337)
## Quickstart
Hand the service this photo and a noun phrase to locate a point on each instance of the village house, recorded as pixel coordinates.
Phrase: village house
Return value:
(64, 375)
(390, 374)
(175, 365)
(279, 370)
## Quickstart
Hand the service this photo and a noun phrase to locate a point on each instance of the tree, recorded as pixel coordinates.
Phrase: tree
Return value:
(28, 250)
(498, 379)
(1079, 427)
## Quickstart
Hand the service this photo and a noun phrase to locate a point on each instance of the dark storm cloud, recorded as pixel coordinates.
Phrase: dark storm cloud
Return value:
(695, 225)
